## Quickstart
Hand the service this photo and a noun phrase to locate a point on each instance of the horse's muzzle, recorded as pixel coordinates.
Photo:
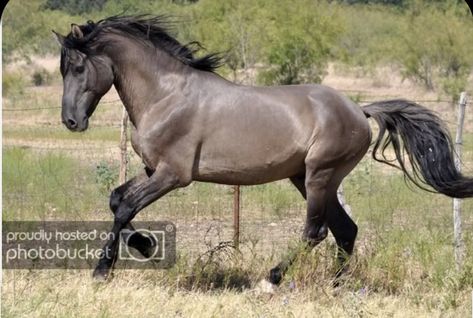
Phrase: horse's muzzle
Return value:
(76, 125)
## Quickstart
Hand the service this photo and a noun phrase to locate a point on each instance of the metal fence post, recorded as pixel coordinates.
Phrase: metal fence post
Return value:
(457, 223)
(236, 215)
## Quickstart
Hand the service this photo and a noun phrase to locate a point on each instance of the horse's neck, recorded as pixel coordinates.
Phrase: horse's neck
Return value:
(145, 77)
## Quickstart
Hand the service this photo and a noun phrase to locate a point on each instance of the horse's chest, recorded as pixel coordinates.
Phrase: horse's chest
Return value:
(138, 146)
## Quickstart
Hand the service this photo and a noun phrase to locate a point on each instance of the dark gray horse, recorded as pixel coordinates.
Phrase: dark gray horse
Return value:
(191, 124)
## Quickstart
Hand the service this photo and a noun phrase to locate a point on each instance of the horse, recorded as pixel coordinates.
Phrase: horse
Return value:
(191, 124)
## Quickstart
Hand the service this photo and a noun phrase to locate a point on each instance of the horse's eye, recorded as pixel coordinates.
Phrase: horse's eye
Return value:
(79, 69)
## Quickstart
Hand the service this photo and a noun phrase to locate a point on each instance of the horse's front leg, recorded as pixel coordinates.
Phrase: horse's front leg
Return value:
(137, 240)
(144, 192)
(116, 196)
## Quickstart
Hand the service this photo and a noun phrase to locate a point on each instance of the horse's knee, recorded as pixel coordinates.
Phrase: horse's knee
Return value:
(315, 234)
(123, 213)
(115, 200)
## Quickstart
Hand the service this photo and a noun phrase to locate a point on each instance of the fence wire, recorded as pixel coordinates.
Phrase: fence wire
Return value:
(50, 173)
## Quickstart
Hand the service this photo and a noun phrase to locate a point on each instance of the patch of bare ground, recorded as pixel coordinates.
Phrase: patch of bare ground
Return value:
(49, 62)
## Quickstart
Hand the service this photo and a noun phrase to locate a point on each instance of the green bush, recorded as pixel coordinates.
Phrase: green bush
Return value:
(300, 42)
(13, 84)
(288, 42)
(434, 48)
(75, 6)
(106, 176)
(41, 77)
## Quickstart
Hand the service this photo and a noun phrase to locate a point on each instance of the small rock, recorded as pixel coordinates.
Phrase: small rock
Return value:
(363, 291)
(292, 285)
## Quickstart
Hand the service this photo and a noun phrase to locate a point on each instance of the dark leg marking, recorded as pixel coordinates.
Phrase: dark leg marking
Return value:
(344, 230)
(161, 182)
(137, 240)
(315, 231)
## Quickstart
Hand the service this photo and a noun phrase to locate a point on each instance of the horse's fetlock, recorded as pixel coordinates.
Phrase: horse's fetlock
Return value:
(316, 234)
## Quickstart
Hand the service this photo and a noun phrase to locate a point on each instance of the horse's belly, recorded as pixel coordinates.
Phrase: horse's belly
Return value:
(238, 170)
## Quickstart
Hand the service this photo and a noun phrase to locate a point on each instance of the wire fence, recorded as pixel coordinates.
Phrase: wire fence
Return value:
(367, 100)
(50, 173)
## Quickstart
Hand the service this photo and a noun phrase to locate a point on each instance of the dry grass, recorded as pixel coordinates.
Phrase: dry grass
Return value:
(403, 265)
(141, 293)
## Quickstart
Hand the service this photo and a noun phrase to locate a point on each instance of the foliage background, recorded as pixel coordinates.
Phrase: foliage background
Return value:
(403, 265)
(286, 42)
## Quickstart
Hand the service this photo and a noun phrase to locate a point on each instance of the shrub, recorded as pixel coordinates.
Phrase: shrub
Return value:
(301, 42)
(106, 176)
(434, 49)
(41, 77)
(13, 84)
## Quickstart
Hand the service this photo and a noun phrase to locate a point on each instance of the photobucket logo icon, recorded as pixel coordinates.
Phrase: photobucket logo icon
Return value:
(142, 245)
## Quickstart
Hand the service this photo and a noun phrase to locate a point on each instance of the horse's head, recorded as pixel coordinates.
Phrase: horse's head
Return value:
(87, 76)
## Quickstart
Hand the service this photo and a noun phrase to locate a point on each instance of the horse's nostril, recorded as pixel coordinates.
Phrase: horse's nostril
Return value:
(72, 123)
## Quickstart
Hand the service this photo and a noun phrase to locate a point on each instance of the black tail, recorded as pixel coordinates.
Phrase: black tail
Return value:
(425, 140)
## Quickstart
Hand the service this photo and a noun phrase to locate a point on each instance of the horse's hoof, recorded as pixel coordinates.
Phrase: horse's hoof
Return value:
(265, 287)
(275, 276)
(101, 274)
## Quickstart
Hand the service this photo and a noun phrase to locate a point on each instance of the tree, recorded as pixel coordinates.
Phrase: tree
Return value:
(300, 42)
(27, 29)
(75, 6)
(435, 49)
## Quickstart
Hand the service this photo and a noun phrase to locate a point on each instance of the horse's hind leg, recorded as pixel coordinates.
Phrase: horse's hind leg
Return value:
(339, 223)
(343, 229)
(318, 185)
(299, 183)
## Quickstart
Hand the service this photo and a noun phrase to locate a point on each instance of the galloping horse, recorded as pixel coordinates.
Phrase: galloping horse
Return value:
(190, 124)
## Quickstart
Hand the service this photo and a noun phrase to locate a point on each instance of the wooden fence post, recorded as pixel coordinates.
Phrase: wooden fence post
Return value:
(236, 216)
(123, 145)
(457, 224)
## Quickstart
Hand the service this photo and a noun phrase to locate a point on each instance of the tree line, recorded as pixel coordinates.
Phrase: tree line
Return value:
(282, 42)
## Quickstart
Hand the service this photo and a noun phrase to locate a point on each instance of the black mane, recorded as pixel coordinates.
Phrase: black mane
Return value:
(150, 29)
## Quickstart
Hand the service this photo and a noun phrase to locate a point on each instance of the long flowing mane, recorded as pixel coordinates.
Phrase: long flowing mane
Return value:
(153, 30)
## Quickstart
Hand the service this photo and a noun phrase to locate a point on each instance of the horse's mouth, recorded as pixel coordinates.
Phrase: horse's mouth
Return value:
(77, 126)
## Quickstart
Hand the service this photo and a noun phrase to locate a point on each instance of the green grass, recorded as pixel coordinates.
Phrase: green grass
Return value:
(47, 186)
(54, 184)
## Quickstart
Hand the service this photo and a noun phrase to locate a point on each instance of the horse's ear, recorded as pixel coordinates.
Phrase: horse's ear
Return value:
(59, 38)
(76, 31)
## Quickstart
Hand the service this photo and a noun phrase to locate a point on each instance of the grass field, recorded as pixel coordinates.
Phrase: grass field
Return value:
(403, 265)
